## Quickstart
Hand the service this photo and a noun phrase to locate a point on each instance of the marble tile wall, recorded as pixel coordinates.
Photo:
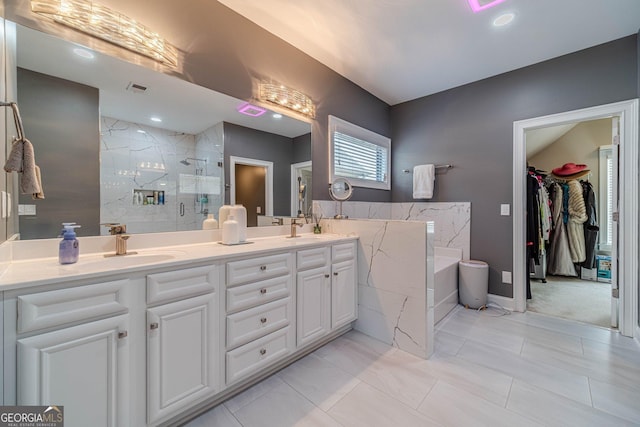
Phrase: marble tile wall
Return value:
(393, 273)
(452, 220)
(137, 157)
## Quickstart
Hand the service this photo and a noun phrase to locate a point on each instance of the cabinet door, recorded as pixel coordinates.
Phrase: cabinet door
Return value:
(313, 304)
(182, 354)
(84, 368)
(344, 288)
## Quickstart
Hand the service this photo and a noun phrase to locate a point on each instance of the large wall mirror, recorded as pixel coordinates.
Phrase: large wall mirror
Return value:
(117, 142)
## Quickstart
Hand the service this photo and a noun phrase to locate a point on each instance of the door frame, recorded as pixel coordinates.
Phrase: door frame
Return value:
(268, 188)
(627, 111)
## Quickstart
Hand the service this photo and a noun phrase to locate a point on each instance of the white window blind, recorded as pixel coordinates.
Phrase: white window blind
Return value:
(358, 154)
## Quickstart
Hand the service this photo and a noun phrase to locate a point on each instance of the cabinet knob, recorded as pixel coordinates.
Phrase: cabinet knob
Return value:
(263, 320)
(123, 334)
(335, 274)
(326, 275)
(153, 326)
(263, 291)
(263, 351)
(263, 267)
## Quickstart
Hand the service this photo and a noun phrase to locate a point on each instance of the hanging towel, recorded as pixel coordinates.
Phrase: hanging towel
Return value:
(14, 161)
(423, 180)
(30, 180)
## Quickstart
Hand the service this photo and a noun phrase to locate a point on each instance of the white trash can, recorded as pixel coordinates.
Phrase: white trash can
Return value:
(473, 283)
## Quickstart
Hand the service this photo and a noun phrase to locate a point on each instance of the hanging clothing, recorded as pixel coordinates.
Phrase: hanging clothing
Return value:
(577, 212)
(559, 260)
(591, 229)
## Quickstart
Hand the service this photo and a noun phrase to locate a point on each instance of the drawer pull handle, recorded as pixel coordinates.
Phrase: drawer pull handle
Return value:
(326, 275)
(263, 267)
(263, 320)
(123, 334)
(335, 274)
(154, 326)
(263, 291)
(263, 351)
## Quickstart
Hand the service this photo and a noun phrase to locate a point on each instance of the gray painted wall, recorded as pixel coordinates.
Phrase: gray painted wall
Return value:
(301, 149)
(61, 119)
(471, 127)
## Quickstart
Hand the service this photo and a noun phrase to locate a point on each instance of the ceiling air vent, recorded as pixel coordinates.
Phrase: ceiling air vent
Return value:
(136, 88)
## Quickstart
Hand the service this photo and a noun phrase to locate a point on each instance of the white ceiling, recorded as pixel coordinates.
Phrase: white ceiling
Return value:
(400, 50)
(183, 106)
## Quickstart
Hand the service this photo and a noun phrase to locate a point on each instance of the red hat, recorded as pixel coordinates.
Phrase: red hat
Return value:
(569, 169)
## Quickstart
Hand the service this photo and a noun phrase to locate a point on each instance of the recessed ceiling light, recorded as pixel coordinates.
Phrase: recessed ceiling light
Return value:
(277, 116)
(503, 19)
(84, 53)
(141, 131)
(156, 119)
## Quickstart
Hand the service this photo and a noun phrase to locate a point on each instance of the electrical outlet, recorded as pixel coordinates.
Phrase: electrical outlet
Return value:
(259, 210)
(506, 277)
(505, 209)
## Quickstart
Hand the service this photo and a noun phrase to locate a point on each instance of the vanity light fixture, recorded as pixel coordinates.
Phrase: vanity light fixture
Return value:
(107, 24)
(291, 99)
(480, 5)
(251, 110)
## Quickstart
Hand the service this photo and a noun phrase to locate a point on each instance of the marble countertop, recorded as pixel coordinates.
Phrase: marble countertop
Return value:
(45, 271)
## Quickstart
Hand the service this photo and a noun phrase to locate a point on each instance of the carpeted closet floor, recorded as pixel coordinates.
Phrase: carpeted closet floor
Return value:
(572, 298)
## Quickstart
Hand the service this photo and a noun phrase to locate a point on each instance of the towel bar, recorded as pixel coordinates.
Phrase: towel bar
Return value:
(436, 166)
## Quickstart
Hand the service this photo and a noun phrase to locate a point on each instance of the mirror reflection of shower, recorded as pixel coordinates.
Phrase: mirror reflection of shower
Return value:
(201, 197)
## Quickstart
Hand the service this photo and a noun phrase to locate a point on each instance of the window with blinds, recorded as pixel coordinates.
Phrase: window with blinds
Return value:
(359, 155)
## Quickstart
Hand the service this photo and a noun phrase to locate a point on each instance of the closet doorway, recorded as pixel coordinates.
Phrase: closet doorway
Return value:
(623, 117)
(572, 171)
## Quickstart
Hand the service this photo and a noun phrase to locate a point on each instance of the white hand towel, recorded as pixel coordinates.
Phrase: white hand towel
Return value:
(423, 180)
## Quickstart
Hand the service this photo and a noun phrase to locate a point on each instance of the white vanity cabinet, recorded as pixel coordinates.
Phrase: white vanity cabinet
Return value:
(259, 319)
(313, 287)
(326, 290)
(66, 357)
(344, 284)
(182, 339)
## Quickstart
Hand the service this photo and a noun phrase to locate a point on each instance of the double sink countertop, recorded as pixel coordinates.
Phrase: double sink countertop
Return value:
(28, 273)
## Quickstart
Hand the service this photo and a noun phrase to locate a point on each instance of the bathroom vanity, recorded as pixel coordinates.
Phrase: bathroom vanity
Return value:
(153, 338)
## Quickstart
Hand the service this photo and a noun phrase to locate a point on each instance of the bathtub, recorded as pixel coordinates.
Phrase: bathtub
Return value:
(446, 280)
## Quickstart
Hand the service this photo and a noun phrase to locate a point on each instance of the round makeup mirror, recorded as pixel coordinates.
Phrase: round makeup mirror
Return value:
(340, 190)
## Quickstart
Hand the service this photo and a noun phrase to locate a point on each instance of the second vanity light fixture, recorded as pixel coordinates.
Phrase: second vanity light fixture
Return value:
(102, 22)
(286, 97)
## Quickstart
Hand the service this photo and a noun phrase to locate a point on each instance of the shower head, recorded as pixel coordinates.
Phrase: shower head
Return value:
(185, 162)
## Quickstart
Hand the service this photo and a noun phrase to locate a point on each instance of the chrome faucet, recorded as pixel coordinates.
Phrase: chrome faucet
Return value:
(120, 231)
(294, 223)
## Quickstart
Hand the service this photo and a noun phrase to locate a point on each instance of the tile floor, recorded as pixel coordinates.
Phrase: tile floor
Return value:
(513, 370)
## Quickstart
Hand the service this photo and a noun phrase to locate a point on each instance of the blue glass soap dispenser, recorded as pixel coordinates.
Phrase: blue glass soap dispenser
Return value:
(69, 245)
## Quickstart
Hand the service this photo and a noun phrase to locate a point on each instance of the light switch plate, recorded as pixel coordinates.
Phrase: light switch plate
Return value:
(505, 209)
(506, 277)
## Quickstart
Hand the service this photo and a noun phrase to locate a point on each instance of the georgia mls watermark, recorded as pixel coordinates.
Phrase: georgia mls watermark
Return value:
(31, 416)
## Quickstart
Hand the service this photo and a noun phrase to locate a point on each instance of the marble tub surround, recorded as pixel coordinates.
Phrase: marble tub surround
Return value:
(393, 278)
(452, 220)
(138, 157)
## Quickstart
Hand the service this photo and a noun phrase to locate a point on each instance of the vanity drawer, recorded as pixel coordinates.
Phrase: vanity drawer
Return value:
(174, 285)
(65, 306)
(251, 270)
(257, 322)
(252, 357)
(311, 258)
(343, 251)
(252, 294)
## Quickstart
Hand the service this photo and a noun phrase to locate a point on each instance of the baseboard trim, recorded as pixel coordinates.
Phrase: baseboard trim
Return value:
(508, 303)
